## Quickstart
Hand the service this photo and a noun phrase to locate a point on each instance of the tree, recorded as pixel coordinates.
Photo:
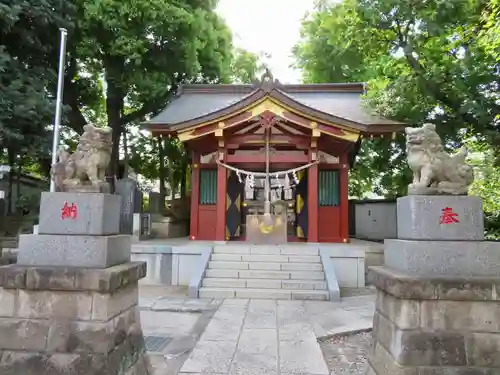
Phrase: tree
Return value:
(165, 158)
(422, 64)
(141, 50)
(486, 184)
(28, 70)
(246, 67)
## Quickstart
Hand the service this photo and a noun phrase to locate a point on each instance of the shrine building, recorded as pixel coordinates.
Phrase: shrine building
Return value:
(299, 139)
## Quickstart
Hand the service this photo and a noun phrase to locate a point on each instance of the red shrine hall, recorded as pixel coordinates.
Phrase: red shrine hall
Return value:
(278, 149)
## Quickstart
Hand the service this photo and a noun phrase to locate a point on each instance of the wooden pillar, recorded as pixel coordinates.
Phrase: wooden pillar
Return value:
(195, 195)
(312, 196)
(220, 229)
(344, 198)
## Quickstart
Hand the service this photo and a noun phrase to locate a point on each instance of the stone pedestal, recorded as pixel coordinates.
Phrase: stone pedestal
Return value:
(69, 307)
(74, 251)
(444, 258)
(430, 326)
(438, 306)
(434, 217)
(96, 214)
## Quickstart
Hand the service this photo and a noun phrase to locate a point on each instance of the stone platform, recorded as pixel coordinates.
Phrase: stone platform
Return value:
(444, 258)
(63, 321)
(74, 250)
(435, 325)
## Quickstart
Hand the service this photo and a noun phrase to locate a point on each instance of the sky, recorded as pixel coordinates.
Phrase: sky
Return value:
(268, 26)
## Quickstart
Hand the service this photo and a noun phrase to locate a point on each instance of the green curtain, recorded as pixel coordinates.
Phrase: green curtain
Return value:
(208, 186)
(329, 188)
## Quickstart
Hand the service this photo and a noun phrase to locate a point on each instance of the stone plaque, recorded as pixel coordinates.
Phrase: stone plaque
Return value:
(440, 217)
(131, 203)
(95, 214)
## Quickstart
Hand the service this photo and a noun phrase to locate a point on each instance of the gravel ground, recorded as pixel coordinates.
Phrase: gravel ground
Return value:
(347, 354)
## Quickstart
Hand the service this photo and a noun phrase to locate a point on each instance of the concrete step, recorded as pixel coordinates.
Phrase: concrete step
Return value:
(260, 274)
(209, 292)
(266, 258)
(265, 266)
(265, 283)
(295, 249)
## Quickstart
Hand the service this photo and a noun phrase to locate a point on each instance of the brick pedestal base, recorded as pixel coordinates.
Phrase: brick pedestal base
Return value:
(431, 326)
(62, 321)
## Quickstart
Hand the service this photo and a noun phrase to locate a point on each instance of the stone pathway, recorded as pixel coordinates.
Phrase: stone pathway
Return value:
(269, 337)
(172, 325)
(197, 336)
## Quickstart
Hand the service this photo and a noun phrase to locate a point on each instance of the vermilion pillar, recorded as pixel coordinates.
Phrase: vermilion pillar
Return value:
(312, 199)
(344, 198)
(220, 229)
(195, 196)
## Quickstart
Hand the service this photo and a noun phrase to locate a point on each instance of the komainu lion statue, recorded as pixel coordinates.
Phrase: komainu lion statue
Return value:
(434, 171)
(85, 169)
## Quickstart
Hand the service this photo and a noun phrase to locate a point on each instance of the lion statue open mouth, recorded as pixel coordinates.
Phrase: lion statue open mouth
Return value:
(85, 169)
(434, 171)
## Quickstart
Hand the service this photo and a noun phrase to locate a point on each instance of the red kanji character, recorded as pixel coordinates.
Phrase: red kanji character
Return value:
(69, 211)
(448, 216)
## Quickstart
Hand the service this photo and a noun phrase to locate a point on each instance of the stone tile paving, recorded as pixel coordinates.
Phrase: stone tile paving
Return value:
(253, 336)
(264, 337)
(169, 317)
(352, 314)
(347, 354)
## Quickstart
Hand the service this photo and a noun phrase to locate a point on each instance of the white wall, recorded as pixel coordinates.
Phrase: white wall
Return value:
(167, 264)
(376, 221)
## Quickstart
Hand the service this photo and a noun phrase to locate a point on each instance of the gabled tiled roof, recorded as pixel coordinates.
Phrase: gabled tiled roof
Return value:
(341, 103)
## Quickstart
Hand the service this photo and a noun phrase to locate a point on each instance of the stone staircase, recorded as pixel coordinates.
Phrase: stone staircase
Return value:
(291, 271)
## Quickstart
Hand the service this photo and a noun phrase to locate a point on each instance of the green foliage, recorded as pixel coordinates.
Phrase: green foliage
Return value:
(486, 184)
(246, 67)
(423, 61)
(28, 70)
(128, 57)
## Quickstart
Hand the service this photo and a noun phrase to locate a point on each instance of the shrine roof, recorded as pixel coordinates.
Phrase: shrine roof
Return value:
(334, 102)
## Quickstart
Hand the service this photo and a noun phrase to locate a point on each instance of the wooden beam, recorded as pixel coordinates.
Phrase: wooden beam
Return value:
(237, 140)
(260, 158)
(301, 129)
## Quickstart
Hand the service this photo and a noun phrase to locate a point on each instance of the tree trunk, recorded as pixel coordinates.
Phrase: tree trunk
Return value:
(170, 172)
(125, 153)
(10, 158)
(162, 172)
(18, 184)
(114, 106)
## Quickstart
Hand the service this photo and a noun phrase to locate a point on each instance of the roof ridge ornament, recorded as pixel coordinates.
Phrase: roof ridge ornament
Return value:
(267, 76)
(267, 81)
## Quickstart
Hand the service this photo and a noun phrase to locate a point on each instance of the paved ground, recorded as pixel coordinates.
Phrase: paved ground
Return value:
(347, 354)
(258, 337)
(193, 336)
(172, 325)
